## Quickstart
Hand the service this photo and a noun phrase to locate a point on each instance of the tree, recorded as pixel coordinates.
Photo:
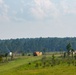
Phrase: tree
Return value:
(61, 52)
(72, 50)
(6, 55)
(68, 47)
(44, 51)
(75, 56)
(53, 60)
(1, 58)
(64, 54)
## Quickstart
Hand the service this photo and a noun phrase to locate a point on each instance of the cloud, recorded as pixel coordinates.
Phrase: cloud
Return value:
(36, 9)
(38, 13)
(44, 9)
(17, 19)
(22, 1)
(21, 9)
(51, 9)
(4, 11)
(4, 18)
(1, 1)
(69, 7)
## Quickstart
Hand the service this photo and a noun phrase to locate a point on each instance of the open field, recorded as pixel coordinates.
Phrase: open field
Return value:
(20, 67)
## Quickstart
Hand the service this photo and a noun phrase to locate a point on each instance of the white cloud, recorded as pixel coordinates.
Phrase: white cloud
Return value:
(4, 11)
(37, 9)
(1, 1)
(18, 19)
(64, 6)
(4, 18)
(44, 9)
(14, 13)
(38, 13)
(43, 17)
(22, 1)
(44, 4)
(21, 9)
(69, 7)
(51, 9)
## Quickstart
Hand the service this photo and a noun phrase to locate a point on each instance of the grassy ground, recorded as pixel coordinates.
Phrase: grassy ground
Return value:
(16, 63)
(20, 67)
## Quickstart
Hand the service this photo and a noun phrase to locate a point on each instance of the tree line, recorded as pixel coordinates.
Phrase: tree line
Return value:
(27, 45)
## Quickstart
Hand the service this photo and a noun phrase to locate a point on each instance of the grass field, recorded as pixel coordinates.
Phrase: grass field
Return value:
(19, 67)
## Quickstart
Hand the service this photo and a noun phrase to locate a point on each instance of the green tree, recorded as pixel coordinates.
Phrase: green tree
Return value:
(44, 51)
(1, 58)
(64, 54)
(68, 47)
(53, 60)
(75, 56)
(72, 50)
(6, 55)
(23, 54)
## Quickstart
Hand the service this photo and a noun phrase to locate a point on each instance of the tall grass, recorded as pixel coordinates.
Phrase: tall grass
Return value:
(35, 66)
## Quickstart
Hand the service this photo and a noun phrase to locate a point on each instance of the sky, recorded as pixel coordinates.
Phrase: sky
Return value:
(37, 18)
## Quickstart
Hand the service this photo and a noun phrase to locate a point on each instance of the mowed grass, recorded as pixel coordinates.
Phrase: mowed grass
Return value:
(16, 63)
(57, 70)
(20, 67)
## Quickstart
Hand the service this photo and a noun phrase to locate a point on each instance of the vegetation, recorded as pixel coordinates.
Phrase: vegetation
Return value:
(1, 58)
(59, 62)
(36, 44)
(68, 48)
(43, 65)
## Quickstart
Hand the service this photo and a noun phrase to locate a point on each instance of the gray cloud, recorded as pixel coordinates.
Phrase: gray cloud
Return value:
(36, 9)
(4, 11)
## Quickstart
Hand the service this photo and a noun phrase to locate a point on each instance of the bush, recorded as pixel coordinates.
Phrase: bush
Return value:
(23, 54)
(1, 59)
(36, 65)
(29, 54)
(75, 56)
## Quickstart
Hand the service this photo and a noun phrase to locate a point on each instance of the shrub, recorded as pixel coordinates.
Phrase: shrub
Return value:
(23, 54)
(75, 56)
(36, 65)
(29, 63)
(1, 58)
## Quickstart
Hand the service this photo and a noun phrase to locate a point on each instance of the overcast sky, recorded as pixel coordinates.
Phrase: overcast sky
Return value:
(37, 18)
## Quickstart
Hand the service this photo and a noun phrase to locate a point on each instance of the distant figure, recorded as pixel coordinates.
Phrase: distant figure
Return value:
(10, 53)
(37, 53)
